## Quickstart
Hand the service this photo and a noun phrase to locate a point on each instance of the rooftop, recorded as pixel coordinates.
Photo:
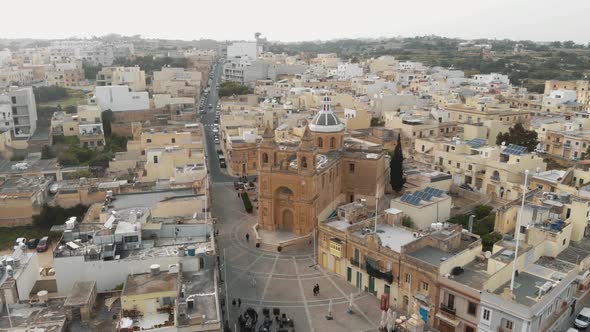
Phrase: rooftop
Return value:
(80, 294)
(474, 275)
(49, 317)
(146, 283)
(431, 255)
(392, 237)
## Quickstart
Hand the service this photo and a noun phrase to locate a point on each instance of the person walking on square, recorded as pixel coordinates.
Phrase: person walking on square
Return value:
(317, 288)
(247, 237)
(239, 302)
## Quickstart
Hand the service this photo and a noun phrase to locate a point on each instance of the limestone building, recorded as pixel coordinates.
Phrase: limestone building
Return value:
(301, 185)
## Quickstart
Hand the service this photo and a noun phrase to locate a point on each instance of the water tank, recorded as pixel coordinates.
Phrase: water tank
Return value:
(191, 250)
(43, 296)
(10, 271)
(10, 262)
(181, 252)
(155, 269)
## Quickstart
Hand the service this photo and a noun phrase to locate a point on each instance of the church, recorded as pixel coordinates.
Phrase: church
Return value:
(302, 184)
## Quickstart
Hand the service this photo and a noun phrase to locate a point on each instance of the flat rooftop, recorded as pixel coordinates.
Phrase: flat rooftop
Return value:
(431, 255)
(200, 287)
(47, 318)
(474, 275)
(148, 199)
(81, 293)
(392, 237)
(146, 283)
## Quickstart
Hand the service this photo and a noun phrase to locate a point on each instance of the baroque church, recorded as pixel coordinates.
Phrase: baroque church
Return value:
(302, 184)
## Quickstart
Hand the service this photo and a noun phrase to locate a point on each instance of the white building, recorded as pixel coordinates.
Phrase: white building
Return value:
(244, 49)
(491, 79)
(558, 97)
(347, 71)
(18, 112)
(120, 99)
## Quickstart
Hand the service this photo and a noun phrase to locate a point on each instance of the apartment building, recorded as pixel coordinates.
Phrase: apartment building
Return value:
(133, 77)
(346, 71)
(178, 82)
(22, 199)
(86, 124)
(18, 112)
(64, 74)
(581, 87)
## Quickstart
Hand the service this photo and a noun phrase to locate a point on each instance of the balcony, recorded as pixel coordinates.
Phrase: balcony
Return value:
(354, 262)
(374, 271)
(495, 178)
(447, 310)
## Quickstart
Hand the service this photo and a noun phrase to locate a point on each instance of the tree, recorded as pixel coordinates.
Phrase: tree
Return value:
(46, 152)
(376, 122)
(107, 118)
(396, 167)
(233, 88)
(520, 136)
(49, 93)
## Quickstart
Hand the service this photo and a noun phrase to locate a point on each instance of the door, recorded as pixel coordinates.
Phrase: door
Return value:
(348, 274)
(359, 280)
(445, 327)
(424, 314)
(324, 260)
(372, 285)
(288, 220)
(356, 256)
(337, 265)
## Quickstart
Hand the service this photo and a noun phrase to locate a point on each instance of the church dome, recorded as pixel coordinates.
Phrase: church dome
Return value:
(326, 121)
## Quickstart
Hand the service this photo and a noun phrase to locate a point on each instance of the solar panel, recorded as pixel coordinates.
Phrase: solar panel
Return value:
(405, 197)
(434, 191)
(476, 142)
(514, 149)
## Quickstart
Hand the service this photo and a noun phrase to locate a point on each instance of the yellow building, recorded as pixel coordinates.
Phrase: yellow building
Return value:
(150, 298)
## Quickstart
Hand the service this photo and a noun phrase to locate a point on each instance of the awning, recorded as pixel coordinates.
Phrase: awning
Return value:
(448, 320)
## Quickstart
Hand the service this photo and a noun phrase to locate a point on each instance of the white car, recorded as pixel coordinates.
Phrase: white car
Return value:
(582, 320)
(216, 140)
(215, 130)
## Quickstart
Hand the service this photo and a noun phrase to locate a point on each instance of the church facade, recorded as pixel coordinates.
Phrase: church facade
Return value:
(302, 184)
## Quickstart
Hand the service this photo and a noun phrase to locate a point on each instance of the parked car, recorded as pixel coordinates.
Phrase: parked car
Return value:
(32, 243)
(43, 244)
(222, 164)
(216, 140)
(582, 320)
(215, 130)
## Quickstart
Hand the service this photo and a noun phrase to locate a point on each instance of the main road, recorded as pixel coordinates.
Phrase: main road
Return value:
(207, 120)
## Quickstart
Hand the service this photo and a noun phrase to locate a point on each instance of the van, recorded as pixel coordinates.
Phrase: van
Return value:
(43, 244)
(582, 320)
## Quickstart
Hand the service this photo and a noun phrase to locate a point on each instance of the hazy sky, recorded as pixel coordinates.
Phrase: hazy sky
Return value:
(541, 20)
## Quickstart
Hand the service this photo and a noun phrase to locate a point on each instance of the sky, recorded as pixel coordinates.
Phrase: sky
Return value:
(280, 20)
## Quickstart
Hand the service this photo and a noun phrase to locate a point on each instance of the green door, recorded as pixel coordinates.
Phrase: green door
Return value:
(356, 255)
(372, 285)
(359, 280)
(348, 274)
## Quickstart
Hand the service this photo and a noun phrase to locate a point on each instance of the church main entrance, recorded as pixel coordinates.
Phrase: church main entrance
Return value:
(284, 217)
(287, 220)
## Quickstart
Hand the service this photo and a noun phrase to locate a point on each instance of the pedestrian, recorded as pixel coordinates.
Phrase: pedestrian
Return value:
(239, 302)
(317, 287)
(233, 302)
(247, 237)
(315, 291)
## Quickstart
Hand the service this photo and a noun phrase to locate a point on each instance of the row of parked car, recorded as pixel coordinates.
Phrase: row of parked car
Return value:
(41, 245)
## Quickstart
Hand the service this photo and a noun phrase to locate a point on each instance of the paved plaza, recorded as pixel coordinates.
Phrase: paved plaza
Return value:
(268, 279)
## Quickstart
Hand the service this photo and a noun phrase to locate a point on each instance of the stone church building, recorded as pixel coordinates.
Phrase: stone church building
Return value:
(302, 184)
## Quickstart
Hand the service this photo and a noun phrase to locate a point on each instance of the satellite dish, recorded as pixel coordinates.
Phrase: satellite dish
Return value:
(487, 254)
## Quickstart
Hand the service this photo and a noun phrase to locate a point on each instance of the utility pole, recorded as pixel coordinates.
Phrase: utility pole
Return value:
(518, 223)
(226, 282)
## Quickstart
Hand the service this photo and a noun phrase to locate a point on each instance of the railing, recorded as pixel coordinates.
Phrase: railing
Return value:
(447, 310)
(495, 178)
(354, 262)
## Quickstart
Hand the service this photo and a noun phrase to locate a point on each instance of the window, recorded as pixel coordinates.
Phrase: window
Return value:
(155, 159)
(149, 140)
(173, 140)
(508, 324)
(469, 329)
(320, 142)
(133, 238)
(303, 162)
(408, 278)
(472, 308)
(351, 168)
(332, 142)
(265, 158)
(486, 315)
(424, 286)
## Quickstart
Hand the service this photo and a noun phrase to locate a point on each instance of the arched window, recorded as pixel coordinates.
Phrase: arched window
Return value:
(332, 142)
(303, 162)
(320, 142)
(265, 158)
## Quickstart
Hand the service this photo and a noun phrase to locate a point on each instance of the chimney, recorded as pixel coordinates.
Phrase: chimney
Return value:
(155, 269)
